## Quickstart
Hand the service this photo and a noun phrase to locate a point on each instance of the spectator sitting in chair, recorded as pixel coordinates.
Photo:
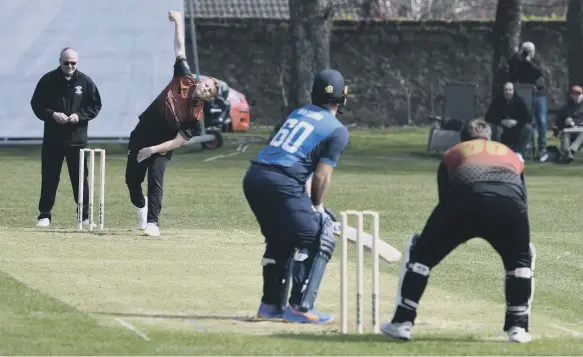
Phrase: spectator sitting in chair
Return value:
(570, 116)
(510, 120)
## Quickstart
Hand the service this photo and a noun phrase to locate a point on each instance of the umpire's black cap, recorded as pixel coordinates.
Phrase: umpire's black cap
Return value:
(329, 88)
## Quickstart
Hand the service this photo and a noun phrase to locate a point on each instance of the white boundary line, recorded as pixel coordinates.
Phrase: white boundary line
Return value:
(132, 328)
(241, 148)
(199, 326)
(573, 332)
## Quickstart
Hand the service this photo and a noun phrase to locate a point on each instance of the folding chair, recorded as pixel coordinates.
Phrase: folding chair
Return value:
(527, 93)
(562, 134)
(459, 107)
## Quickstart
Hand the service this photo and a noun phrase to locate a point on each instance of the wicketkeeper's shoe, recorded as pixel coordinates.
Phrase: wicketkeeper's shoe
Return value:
(269, 312)
(309, 317)
(398, 330)
(518, 334)
(43, 223)
(143, 216)
(152, 230)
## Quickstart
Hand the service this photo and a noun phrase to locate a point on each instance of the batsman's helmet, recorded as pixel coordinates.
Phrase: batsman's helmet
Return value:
(329, 88)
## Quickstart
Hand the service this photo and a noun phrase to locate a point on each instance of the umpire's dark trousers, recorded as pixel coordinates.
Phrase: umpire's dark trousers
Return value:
(155, 166)
(52, 156)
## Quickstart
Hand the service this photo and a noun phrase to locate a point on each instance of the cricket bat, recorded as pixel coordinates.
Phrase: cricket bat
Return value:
(387, 252)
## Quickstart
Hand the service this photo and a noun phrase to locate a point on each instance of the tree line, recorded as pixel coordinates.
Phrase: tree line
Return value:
(311, 22)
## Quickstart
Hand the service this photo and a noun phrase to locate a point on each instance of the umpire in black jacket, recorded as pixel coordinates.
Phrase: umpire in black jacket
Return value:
(65, 99)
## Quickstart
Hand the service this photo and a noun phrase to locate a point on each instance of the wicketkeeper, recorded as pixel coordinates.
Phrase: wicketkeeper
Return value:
(482, 193)
(309, 142)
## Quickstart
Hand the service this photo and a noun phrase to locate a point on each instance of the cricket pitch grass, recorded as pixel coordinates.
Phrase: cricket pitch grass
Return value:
(195, 289)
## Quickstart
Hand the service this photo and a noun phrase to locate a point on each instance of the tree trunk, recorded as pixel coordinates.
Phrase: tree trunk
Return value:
(311, 24)
(575, 42)
(320, 13)
(302, 54)
(506, 40)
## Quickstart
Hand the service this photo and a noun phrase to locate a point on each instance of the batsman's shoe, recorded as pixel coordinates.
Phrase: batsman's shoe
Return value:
(85, 224)
(152, 230)
(43, 223)
(143, 216)
(309, 317)
(269, 312)
(398, 330)
(518, 334)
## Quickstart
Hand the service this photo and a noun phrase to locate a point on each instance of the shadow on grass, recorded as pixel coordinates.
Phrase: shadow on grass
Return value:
(96, 233)
(85, 232)
(368, 338)
(332, 336)
(250, 319)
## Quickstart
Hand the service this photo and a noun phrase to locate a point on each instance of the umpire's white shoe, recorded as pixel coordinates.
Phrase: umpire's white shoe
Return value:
(43, 223)
(143, 215)
(399, 331)
(85, 224)
(518, 334)
(152, 230)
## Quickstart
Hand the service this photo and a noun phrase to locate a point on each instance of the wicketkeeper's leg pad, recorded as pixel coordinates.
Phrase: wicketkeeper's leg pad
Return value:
(413, 279)
(519, 290)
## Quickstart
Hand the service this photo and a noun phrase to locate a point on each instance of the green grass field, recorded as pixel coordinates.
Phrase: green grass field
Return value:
(195, 289)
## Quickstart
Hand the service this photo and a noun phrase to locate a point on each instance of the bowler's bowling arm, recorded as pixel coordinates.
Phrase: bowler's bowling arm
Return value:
(179, 42)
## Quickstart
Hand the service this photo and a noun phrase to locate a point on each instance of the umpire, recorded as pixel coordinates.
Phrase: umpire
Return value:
(65, 99)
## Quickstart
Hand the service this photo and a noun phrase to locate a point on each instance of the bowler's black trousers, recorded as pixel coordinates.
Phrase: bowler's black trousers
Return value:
(52, 156)
(155, 166)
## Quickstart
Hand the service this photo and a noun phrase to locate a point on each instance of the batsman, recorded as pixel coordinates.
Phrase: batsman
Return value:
(308, 144)
(482, 193)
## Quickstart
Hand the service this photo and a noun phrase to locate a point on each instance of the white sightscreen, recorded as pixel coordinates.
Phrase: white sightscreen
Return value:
(125, 46)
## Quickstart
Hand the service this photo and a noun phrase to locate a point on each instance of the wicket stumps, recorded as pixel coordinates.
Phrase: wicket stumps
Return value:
(359, 271)
(91, 184)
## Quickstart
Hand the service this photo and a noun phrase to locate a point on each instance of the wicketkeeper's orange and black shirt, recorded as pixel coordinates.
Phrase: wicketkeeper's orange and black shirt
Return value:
(174, 110)
(484, 167)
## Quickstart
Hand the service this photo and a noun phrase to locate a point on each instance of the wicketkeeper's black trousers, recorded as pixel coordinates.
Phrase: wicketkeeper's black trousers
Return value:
(52, 156)
(502, 222)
